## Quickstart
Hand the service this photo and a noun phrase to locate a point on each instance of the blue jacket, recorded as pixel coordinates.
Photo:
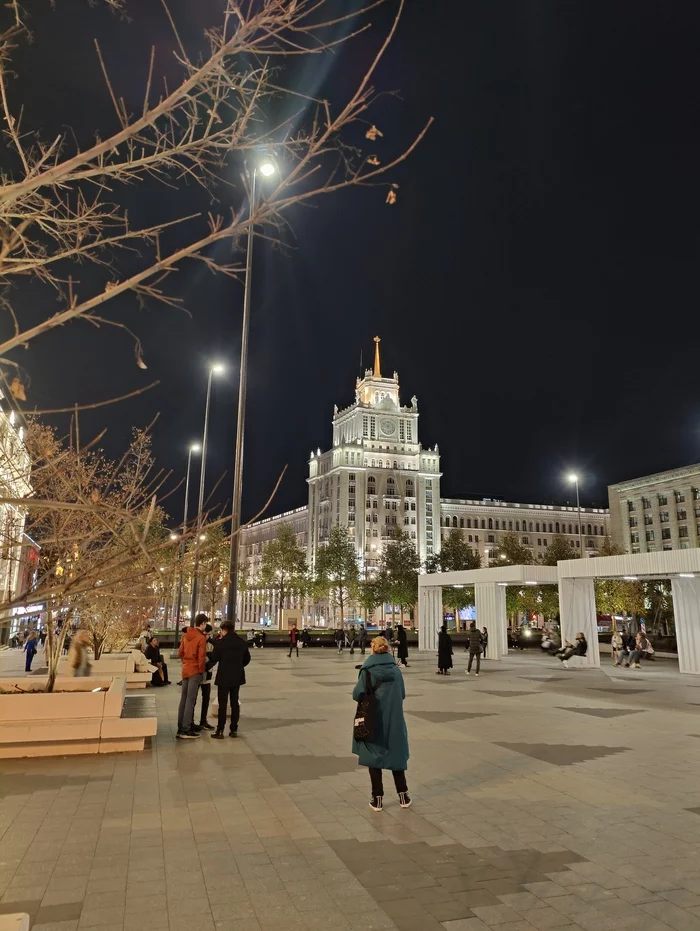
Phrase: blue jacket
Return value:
(389, 750)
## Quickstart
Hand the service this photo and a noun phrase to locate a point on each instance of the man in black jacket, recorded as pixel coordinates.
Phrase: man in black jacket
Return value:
(232, 654)
(474, 642)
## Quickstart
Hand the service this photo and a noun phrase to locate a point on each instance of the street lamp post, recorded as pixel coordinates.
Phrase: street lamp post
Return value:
(266, 169)
(194, 448)
(216, 369)
(574, 478)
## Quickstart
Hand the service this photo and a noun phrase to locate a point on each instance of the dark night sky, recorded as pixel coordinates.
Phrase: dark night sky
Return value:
(535, 285)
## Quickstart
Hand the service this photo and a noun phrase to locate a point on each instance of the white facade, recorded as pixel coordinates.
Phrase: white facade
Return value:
(377, 476)
(15, 472)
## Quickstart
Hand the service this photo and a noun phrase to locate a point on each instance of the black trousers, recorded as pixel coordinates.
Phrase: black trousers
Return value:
(378, 786)
(205, 688)
(228, 693)
(294, 646)
(472, 655)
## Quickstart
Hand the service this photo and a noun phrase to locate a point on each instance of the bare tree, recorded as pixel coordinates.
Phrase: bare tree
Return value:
(62, 205)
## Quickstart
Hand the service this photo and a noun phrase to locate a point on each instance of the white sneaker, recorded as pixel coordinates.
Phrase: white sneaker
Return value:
(565, 664)
(467, 672)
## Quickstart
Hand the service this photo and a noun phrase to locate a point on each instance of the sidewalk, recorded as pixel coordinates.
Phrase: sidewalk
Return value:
(543, 798)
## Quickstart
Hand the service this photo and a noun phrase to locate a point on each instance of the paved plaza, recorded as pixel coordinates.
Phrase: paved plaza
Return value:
(543, 799)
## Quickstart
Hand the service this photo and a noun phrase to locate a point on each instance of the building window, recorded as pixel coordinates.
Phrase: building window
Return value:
(665, 533)
(373, 428)
(685, 546)
(663, 500)
(631, 506)
(663, 517)
(681, 514)
(557, 526)
(635, 549)
(491, 538)
(526, 540)
(470, 538)
(469, 521)
(682, 531)
(517, 525)
(680, 497)
(510, 524)
(550, 529)
(545, 541)
(633, 521)
(648, 520)
(490, 523)
(634, 537)
(539, 539)
(476, 538)
(667, 546)
(650, 536)
(537, 526)
(530, 526)
(646, 503)
(402, 430)
(483, 524)
(365, 426)
(461, 523)
(590, 544)
(498, 525)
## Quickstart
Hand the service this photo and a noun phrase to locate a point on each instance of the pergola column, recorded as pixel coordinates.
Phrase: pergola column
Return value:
(686, 612)
(429, 616)
(490, 601)
(578, 614)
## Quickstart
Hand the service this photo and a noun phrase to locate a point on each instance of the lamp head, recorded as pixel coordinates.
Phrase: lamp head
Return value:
(573, 477)
(267, 168)
(195, 447)
(217, 368)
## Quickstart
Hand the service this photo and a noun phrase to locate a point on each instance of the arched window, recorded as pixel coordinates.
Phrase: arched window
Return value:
(557, 526)
(454, 521)
(373, 463)
(595, 529)
(490, 523)
(550, 528)
(510, 524)
(461, 523)
(602, 531)
(469, 522)
(530, 526)
(396, 465)
(498, 524)
(390, 480)
(589, 528)
(483, 524)
(537, 526)
(517, 525)
(570, 529)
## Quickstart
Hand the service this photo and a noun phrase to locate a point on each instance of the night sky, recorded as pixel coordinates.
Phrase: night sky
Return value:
(535, 285)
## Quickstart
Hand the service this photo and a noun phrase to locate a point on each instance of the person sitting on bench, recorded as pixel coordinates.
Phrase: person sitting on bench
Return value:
(579, 648)
(155, 658)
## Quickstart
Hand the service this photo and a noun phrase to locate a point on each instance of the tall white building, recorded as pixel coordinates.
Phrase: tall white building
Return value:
(377, 476)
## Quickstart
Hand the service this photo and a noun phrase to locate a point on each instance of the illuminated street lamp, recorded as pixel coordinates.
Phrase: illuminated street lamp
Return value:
(193, 448)
(215, 368)
(573, 477)
(267, 169)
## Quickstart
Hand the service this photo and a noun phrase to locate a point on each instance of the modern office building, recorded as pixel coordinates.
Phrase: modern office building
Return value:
(657, 512)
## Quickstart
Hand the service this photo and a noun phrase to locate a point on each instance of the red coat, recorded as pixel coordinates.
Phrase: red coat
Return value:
(193, 652)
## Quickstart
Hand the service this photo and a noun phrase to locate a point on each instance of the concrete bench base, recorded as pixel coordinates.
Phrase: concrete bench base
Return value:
(71, 721)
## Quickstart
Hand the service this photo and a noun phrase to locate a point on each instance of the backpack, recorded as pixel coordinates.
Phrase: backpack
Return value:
(366, 712)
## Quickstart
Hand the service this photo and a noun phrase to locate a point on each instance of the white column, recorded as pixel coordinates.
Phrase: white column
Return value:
(578, 614)
(686, 612)
(490, 602)
(429, 616)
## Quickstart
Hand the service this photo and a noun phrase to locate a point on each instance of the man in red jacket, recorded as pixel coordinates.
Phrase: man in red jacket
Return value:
(193, 653)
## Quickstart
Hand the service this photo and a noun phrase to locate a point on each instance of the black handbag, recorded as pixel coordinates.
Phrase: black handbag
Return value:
(366, 713)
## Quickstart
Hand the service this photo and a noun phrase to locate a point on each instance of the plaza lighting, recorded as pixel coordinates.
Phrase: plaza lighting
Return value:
(266, 168)
(174, 537)
(215, 368)
(191, 450)
(573, 478)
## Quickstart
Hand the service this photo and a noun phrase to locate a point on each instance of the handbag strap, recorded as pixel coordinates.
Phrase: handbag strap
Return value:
(368, 683)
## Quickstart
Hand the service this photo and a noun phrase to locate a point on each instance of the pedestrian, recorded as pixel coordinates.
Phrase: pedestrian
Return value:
(205, 687)
(193, 653)
(388, 748)
(78, 661)
(484, 640)
(402, 646)
(362, 639)
(351, 640)
(474, 642)
(305, 638)
(155, 658)
(293, 640)
(42, 636)
(30, 646)
(250, 637)
(263, 637)
(444, 652)
(257, 640)
(579, 648)
(231, 655)
(340, 639)
(615, 646)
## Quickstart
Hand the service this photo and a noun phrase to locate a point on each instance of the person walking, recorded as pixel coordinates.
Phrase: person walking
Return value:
(444, 652)
(615, 646)
(484, 640)
(293, 639)
(401, 646)
(193, 653)
(474, 642)
(388, 748)
(340, 639)
(30, 647)
(362, 639)
(78, 661)
(351, 640)
(305, 638)
(231, 655)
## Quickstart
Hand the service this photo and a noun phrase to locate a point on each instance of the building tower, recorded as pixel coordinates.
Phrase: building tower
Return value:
(376, 476)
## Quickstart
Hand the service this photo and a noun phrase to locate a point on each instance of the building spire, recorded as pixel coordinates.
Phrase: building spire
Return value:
(377, 366)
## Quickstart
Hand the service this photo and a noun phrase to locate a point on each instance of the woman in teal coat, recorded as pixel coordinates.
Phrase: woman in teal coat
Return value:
(389, 749)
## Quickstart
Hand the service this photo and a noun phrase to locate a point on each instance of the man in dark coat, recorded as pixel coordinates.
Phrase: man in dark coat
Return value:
(402, 645)
(362, 637)
(474, 642)
(155, 658)
(232, 655)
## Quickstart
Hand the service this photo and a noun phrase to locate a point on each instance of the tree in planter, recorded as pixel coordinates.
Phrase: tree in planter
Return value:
(399, 571)
(369, 595)
(283, 567)
(511, 552)
(337, 570)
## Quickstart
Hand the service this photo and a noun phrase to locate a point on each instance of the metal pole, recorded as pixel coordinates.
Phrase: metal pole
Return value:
(240, 425)
(200, 508)
(578, 505)
(182, 549)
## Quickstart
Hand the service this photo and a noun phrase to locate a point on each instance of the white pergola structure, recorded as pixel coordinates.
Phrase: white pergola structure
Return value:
(682, 567)
(575, 578)
(489, 597)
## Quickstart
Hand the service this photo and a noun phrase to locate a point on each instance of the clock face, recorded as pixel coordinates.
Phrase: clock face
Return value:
(387, 427)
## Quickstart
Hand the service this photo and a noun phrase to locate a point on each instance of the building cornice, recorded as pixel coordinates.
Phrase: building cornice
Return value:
(656, 478)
